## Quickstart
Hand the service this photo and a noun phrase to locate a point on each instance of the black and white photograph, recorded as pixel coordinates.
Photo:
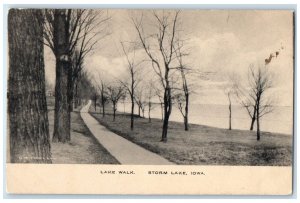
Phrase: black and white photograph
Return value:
(152, 87)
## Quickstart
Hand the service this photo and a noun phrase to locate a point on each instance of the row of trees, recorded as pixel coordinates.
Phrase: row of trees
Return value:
(163, 40)
(165, 50)
(254, 95)
(115, 91)
(71, 35)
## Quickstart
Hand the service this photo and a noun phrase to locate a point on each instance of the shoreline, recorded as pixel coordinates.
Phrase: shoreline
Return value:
(202, 145)
(118, 113)
(279, 121)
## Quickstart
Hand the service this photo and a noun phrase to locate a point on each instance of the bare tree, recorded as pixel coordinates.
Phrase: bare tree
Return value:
(115, 93)
(63, 70)
(164, 37)
(259, 82)
(159, 95)
(132, 66)
(229, 87)
(66, 30)
(150, 95)
(184, 71)
(27, 107)
(102, 89)
(230, 108)
(77, 66)
(123, 99)
(76, 82)
(179, 100)
(141, 100)
(246, 101)
(95, 98)
(80, 83)
(84, 84)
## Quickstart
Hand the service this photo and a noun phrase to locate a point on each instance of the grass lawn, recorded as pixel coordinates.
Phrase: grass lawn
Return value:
(83, 147)
(203, 145)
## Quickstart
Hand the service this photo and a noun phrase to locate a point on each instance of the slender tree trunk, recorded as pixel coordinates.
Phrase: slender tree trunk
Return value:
(229, 111)
(186, 122)
(252, 123)
(63, 67)
(162, 110)
(143, 111)
(27, 107)
(132, 99)
(186, 94)
(230, 116)
(167, 109)
(257, 122)
(114, 109)
(103, 108)
(102, 102)
(70, 90)
(149, 111)
(132, 112)
(76, 95)
(124, 108)
(253, 118)
(95, 103)
(139, 111)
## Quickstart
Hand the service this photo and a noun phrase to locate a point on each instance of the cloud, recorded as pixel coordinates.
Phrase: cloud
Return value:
(215, 45)
(215, 52)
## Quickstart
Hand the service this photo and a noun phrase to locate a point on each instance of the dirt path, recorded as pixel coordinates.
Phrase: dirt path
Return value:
(123, 150)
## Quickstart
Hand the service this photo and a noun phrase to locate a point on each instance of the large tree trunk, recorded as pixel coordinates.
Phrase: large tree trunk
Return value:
(63, 68)
(167, 110)
(70, 92)
(27, 107)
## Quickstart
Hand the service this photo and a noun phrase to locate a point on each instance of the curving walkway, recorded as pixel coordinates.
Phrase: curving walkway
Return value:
(123, 150)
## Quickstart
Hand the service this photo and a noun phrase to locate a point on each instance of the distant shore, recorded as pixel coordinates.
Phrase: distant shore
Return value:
(202, 145)
(279, 121)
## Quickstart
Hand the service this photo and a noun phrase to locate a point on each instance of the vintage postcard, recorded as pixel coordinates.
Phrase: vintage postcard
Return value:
(124, 101)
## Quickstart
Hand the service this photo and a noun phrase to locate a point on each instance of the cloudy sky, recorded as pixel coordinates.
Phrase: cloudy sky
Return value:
(218, 41)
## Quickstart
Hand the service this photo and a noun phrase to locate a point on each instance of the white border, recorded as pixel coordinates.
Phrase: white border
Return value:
(114, 3)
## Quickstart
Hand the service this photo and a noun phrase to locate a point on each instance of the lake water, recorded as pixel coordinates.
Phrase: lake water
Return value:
(280, 120)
